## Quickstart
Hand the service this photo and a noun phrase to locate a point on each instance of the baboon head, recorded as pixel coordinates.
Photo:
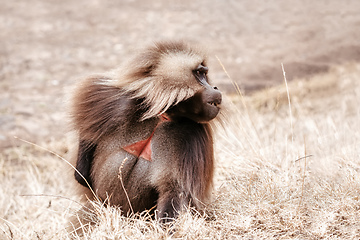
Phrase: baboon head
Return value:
(204, 105)
(172, 78)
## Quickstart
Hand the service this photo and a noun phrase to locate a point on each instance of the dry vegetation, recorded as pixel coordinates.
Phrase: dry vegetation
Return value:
(281, 174)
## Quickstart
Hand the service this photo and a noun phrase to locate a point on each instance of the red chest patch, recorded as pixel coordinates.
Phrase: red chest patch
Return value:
(143, 147)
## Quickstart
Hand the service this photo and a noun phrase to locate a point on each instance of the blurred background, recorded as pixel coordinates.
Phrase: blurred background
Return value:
(46, 46)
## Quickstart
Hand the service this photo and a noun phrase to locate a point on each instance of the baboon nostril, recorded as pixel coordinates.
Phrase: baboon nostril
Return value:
(216, 88)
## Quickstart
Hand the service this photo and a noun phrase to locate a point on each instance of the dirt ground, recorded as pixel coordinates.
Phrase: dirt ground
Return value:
(46, 46)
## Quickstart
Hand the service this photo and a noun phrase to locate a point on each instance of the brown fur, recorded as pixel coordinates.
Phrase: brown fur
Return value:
(112, 111)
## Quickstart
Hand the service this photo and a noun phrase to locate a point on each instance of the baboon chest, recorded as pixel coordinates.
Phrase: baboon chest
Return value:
(143, 148)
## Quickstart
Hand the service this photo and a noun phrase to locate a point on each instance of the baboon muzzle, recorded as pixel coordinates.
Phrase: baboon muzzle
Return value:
(214, 97)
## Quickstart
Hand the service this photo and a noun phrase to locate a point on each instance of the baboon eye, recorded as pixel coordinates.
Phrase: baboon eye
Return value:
(200, 73)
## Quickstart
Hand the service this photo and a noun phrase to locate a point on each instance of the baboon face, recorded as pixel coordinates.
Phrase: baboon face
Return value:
(204, 105)
(172, 78)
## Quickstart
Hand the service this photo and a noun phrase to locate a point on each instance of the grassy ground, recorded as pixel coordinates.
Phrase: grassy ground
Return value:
(285, 170)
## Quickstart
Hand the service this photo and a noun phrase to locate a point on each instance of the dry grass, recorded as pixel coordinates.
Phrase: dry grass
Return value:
(272, 182)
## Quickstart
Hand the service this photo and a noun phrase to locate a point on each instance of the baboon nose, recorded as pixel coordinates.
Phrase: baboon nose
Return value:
(216, 96)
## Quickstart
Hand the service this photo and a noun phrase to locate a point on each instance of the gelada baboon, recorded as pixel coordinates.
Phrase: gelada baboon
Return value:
(144, 133)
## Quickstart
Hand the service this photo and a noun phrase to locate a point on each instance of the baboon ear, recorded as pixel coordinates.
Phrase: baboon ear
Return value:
(84, 161)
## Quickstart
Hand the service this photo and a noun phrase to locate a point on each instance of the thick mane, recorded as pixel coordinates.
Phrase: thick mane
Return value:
(162, 76)
(98, 109)
(197, 163)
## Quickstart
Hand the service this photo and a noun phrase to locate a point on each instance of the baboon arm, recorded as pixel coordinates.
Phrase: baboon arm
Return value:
(84, 161)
